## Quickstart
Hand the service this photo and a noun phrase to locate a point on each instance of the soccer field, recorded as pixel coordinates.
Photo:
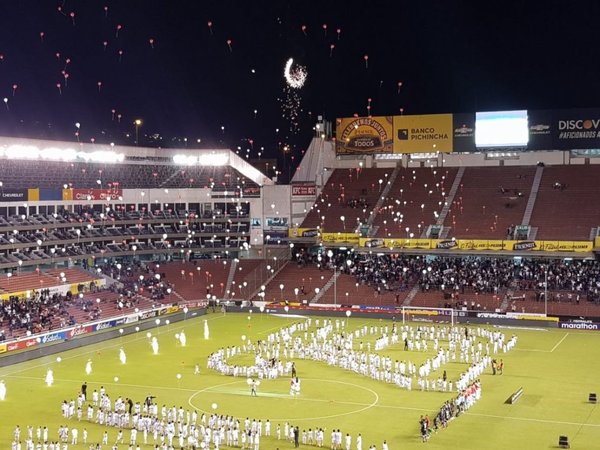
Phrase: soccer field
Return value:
(557, 370)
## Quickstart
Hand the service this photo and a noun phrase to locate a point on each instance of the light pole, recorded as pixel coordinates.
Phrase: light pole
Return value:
(330, 254)
(137, 123)
(546, 291)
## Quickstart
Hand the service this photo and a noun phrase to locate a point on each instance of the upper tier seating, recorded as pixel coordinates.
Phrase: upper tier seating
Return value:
(413, 201)
(23, 174)
(489, 201)
(349, 193)
(567, 205)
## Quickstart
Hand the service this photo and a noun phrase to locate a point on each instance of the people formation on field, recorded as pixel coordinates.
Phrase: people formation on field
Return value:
(331, 344)
(169, 428)
(165, 428)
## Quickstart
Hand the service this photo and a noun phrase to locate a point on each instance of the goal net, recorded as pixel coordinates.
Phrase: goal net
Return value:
(427, 314)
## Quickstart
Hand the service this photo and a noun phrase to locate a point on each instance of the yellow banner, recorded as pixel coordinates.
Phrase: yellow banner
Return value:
(481, 244)
(302, 232)
(2, 348)
(67, 194)
(340, 238)
(597, 242)
(423, 134)
(477, 244)
(33, 194)
(364, 135)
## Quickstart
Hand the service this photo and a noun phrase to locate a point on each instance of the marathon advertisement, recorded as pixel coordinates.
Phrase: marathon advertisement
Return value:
(14, 195)
(303, 190)
(92, 194)
(540, 130)
(579, 325)
(464, 132)
(576, 129)
(423, 134)
(359, 135)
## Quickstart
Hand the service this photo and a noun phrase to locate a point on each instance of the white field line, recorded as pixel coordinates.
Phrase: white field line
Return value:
(559, 342)
(528, 419)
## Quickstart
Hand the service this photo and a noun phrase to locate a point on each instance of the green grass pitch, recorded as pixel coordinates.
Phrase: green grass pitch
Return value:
(557, 370)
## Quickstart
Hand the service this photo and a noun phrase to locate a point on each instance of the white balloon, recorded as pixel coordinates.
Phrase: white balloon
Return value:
(178, 376)
(58, 359)
(243, 337)
(116, 379)
(214, 406)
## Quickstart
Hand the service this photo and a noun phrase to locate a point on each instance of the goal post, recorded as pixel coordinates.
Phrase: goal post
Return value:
(428, 314)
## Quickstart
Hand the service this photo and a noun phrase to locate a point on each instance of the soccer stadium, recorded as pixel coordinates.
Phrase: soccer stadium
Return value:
(421, 280)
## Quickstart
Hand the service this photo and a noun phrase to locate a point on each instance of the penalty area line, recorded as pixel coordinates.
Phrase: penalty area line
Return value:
(528, 419)
(559, 342)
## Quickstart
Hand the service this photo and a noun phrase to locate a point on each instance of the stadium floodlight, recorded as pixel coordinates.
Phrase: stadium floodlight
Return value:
(60, 154)
(185, 160)
(102, 156)
(214, 159)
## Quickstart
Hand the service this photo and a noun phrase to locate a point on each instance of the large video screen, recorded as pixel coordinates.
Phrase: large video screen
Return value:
(501, 129)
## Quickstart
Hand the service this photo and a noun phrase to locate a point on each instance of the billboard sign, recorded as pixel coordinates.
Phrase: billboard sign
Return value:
(464, 132)
(540, 130)
(13, 195)
(364, 135)
(97, 194)
(304, 189)
(423, 134)
(576, 129)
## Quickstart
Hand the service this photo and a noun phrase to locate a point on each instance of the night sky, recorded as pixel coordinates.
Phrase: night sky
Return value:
(450, 56)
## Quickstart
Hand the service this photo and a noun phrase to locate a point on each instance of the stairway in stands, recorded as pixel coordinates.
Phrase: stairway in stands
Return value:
(382, 197)
(448, 201)
(533, 195)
